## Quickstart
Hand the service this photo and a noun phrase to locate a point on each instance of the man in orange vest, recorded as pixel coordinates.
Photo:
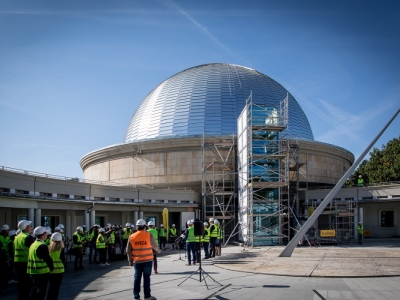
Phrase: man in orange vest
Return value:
(140, 255)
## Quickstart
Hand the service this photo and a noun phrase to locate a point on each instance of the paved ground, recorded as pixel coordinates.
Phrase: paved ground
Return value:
(371, 271)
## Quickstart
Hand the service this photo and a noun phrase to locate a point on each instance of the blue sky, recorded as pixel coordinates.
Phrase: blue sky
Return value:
(72, 73)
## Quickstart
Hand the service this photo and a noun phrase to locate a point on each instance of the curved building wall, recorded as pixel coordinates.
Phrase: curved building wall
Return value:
(179, 162)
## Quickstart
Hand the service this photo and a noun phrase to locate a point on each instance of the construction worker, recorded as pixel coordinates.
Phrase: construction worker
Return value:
(347, 183)
(110, 233)
(190, 243)
(56, 253)
(153, 231)
(101, 242)
(140, 251)
(213, 237)
(10, 256)
(47, 241)
(172, 235)
(93, 234)
(360, 232)
(360, 181)
(206, 240)
(61, 226)
(39, 264)
(85, 235)
(77, 245)
(218, 241)
(126, 232)
(163, 236)
(4, 255)
(22, 243)
(4, 238)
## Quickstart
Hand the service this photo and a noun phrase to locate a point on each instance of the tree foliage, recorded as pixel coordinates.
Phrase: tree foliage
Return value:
(383, 165)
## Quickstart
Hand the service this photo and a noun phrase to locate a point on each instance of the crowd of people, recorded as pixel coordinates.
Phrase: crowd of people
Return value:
(35, 258)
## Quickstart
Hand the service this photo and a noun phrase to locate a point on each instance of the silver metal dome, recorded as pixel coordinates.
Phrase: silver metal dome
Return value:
(209, 98)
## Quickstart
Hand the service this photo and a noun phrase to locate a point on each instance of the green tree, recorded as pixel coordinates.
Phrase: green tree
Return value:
(383, 165)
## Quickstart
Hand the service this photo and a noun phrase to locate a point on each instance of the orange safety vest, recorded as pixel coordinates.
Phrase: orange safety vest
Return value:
(141, 247)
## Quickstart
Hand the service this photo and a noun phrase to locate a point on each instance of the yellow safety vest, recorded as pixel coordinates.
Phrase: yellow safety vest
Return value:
(206, 237)
(58, 264)
(100, 244)
(36, 265)
(21, 252)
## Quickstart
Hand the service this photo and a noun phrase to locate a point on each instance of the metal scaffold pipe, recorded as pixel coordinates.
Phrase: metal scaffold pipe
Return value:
(287, 252)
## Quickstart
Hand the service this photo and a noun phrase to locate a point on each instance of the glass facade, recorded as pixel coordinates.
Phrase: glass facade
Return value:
(209, 98)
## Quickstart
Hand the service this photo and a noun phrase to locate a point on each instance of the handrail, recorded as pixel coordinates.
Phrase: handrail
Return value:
(81, 180)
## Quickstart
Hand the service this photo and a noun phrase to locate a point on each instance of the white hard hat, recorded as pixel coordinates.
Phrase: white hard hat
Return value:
(150, 223)
(83, 226)
(132, 226)
(12, 232)
(140, 222)
(79, 228)
(56, 237)
(211, 220)
(23, 224)
(205, 224)
(48, 232)
(127, 224)
(190, 222)
(57, 228)
(108, 224)
(18, 231)
(61, 226)
(173, 225)
(102, 230)
(61, 230)
(161, 225)
(5, 227)
(39, 230)
(216, 222)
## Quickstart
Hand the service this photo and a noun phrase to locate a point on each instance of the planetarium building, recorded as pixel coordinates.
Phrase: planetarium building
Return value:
(184, 134)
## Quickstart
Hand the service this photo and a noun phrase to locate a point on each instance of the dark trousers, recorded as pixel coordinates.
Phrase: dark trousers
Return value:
(24, 281)
(360, 236)
(191, 249)
(54, 286)
(102, 254)
(78, 257)
(163, 241)
(92, 251)
(212, 246)
(39, 286)
(172, 240)
(124, 243)
(111, 251)
(142, 269)
(155, 260)
(205, 248)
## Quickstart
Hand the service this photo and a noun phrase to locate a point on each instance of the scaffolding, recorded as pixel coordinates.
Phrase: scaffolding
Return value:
(219, 181)
(263, 170)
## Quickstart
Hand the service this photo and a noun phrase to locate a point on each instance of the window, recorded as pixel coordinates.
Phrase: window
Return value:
(151, 218)
(50, 221)
(99, 221)
(387, 218)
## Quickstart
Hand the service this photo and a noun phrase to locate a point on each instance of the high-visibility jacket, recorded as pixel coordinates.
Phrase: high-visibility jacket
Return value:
(154, 233)
(4, 241)
(219, 232)
(163, 232)
(36, 265)
(213, 233)
(47, 241)
(9, 255)
(172, 231)
(100, 242)
(360, 182)
(92, 236)
(111, 239)
(142, 251)
(127, 232)
(190, 236)
(360, 229)
(79, 240)
(206, 237)
(58, 264)
(21, 252)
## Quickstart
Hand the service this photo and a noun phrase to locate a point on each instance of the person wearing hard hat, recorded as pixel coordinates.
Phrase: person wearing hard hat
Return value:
(191, 248)
(360, 232)
(10, 256)
(85, 236)
(360, 180)
(47, 241)
(126, 232)
(173, 235)
(213, 237)
(140, 255)
(77, 244)
(347, 183)
(163, 236)
(101, 247)
(56, 253)
(61, 226)
(206, 240)
(22, 243)
(218, 241)
(4, 238)
(93, 234)
(39, 264)
(154, 232)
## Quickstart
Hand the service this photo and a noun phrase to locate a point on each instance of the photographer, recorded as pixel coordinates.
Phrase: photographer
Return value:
(93, 234)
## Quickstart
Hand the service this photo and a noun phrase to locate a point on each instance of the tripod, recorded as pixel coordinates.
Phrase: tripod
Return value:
(178, 245)
(200, 269)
